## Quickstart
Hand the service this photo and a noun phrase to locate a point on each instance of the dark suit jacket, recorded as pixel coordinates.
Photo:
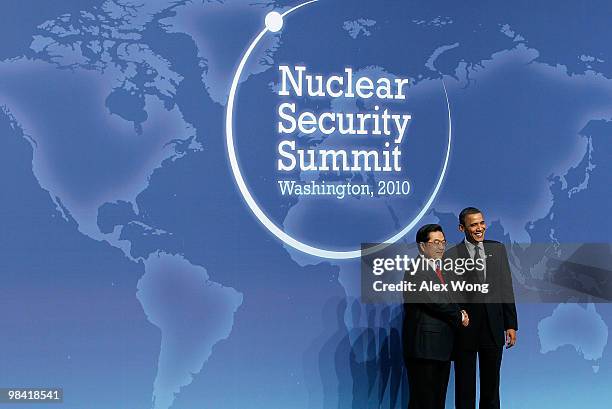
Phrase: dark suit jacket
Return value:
(497, 307)
(430, 321)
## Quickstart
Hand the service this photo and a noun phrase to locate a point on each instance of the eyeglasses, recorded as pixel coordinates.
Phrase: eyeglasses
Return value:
(437, 243)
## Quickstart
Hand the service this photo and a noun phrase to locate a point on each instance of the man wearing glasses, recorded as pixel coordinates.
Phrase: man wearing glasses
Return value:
(430, 321)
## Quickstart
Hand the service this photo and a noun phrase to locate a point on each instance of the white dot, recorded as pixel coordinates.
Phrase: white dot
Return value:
(274, 21)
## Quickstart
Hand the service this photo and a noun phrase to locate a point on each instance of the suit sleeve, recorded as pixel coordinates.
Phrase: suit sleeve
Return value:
(447, 311)
(508, 306)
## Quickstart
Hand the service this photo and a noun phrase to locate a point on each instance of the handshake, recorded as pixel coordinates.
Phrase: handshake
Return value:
(465, 319)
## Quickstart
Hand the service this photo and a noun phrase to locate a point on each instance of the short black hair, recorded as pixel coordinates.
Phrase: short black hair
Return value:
(422, 236)
(465, 212)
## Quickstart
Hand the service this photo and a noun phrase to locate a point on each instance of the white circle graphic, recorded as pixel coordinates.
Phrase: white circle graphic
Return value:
(273, 23)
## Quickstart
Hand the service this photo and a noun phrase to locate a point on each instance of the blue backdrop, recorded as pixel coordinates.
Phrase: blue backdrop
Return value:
(134, 275)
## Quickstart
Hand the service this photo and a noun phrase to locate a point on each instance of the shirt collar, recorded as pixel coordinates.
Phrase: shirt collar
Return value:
(433, 263)
(472, 246)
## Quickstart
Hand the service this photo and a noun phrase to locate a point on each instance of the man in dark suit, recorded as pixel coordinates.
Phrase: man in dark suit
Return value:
(430, 320)
(491, 315)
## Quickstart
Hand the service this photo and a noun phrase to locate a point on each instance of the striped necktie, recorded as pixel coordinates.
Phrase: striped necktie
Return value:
(479, 272)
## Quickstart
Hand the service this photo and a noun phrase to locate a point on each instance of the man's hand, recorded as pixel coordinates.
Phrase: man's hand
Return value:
(510, 338)
(465, 320)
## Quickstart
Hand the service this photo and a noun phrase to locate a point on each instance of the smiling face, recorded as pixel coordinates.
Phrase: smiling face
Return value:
(473, 227)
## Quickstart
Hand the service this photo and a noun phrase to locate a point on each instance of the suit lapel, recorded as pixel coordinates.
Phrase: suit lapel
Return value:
(492, 260)
(462, 252)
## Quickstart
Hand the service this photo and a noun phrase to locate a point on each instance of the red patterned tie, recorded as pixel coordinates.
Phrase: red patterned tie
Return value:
(439, 273)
